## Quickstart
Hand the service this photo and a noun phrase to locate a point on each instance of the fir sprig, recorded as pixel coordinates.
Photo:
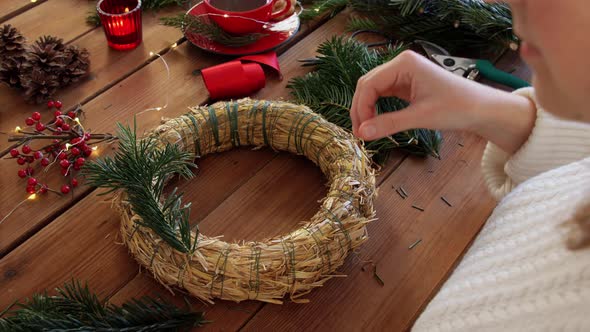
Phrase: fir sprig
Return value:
(457, 25)
(142, 170)
(76, 308)
(201, 25)
(329, 90)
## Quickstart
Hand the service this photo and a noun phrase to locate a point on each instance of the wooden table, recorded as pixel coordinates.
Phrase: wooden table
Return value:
(242, 194)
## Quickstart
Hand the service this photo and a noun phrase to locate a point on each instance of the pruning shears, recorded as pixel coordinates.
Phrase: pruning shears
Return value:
(470, 68)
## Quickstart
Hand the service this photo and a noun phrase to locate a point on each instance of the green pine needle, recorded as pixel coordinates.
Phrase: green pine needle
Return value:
(457, 25)
(142, 170)
(76, 308)
(329, 90)
(210, 30)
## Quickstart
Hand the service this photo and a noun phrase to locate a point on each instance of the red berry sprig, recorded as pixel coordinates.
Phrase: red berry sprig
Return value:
(70, 146)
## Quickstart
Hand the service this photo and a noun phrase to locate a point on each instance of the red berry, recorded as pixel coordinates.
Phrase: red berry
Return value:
(30, 171)
(56, 141)
(87, 152)
(50, 104)
(31, 189)
(65, 189)
(74, 182)
(86, 136)
(65, 163)
(26, 149)
(40, 126)
(64, 171)
(59, 122)
(29, 121)
(14, 153)
(32, 181)
(72, 114)
(36, 116)
(43, 189)
(58, 104)
(75, 140)
(61, 156)
(65, 127)
(21, 160)
(59, 130)
(22, 173)
(38, 154)
(57, 113)
(75, 151)
(80, 161)
(76, 167)
(48, 149)
(45, 162)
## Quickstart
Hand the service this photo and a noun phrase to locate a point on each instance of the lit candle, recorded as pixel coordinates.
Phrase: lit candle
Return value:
(121, 21)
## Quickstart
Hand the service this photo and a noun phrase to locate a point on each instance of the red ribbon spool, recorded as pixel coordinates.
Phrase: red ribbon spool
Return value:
(236, 79)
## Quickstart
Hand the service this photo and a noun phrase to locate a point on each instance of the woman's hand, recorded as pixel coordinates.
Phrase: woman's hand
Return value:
(438, 100)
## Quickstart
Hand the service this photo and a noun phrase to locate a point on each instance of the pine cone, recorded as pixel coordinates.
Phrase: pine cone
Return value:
(76, 65)
(10, 70)
(12, 43)
(46, 55)
(39, 85)
(57, 44)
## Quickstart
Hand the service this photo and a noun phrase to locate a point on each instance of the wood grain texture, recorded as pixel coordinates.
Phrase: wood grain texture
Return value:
(61, 18)
(108, 67)
(273, 202)
(11, 8)
(410, 276)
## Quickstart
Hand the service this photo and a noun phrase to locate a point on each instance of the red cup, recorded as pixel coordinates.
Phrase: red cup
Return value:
(121, 21)
(239, 22)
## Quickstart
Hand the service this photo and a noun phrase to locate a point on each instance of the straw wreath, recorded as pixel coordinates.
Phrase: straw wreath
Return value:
(159, 237)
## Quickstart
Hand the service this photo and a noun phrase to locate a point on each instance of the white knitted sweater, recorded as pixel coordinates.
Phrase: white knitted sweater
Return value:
(518, 275)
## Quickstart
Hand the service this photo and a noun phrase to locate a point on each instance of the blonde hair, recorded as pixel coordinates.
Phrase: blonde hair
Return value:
(579, 235)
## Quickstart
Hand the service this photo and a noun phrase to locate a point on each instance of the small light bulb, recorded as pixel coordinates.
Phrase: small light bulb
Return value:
(68, 146)
(77, 120)
(33, 1)
(225, 15)
(317, 10)
(94, 148)
(174, 45)
(32, 197)
(17, 129)
(126, 9)
(151, 53)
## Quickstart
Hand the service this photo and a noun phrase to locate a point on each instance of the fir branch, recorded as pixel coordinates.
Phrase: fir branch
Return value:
(142, 170)
(93, 19)
(457, 25)
(210, 30)
(76, 308)
(329, 90)
(322, 7)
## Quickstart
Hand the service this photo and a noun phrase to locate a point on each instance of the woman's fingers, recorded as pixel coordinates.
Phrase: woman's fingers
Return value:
(393, 122)
(393, 79)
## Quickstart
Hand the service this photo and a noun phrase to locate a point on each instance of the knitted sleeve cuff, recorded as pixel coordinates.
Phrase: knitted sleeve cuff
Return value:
(553, 142)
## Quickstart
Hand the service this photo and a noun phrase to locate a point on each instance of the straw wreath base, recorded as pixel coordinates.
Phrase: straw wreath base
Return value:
(292, 264)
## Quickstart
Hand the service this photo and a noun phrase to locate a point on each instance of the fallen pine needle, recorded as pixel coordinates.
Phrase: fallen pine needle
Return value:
(445, 200)
(418, 208)
(404, 191)
(377, 277)
(414, 244)
(461, 144)
(400, 194)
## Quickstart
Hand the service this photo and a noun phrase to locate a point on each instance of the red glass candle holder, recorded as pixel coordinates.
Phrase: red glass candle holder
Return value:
(121, 20)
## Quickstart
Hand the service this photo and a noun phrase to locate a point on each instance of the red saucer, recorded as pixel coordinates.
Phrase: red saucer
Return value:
(278, 33)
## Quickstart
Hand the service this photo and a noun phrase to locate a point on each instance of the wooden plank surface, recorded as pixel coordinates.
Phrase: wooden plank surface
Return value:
(11, 8)
(61, 18)
(142, 90)
(359, 302)
(241, 194)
